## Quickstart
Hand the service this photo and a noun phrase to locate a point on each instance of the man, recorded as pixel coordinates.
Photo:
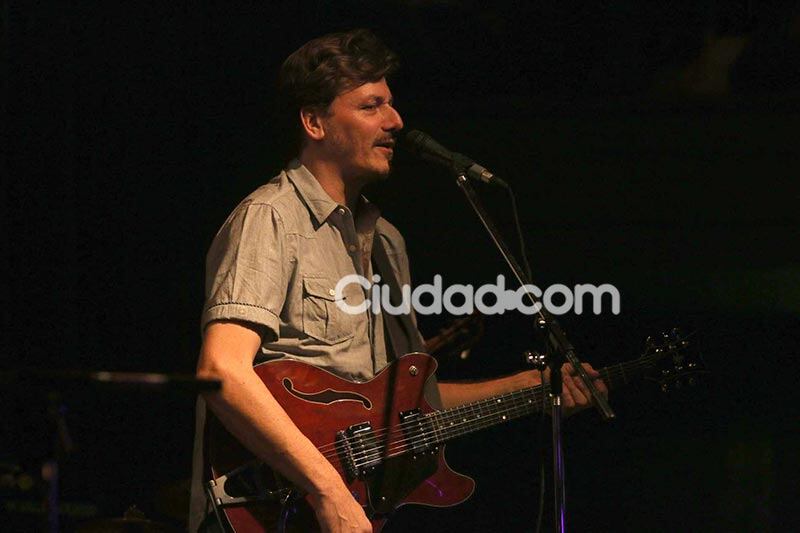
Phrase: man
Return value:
(274, 263)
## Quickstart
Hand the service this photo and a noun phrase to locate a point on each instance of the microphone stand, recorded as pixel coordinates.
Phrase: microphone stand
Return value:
(62, 448)
(25, 378)
(559, 349)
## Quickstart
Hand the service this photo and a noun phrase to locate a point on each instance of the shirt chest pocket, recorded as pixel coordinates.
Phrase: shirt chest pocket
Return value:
(322, 317)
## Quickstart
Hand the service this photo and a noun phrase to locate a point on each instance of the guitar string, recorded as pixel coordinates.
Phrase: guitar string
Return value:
(394, 450)
(388, 451)
(482, 421)
(609, 373)
(645, 360)
(458, 412)
(450, 412)
(436, 432)
(455, 430)
(455, 412)
(448, 432)
(427, 434)
(398, 447)
(376, 448)
(516, 412)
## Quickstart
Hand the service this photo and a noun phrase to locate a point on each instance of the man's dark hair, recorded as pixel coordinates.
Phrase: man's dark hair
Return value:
(330, 65)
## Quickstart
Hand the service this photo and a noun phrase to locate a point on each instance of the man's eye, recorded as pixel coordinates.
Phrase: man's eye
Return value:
(369, 106)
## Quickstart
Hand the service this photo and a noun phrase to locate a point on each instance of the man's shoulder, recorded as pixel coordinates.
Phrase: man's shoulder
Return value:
(277, 192)
(279, 197)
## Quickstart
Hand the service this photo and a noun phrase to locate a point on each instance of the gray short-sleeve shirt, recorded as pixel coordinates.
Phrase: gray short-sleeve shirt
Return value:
(275, 263)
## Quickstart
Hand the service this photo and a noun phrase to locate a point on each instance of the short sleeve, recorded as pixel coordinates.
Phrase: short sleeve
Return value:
(246, 270)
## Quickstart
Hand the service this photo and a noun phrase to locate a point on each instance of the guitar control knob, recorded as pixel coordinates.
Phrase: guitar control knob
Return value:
(413, 370)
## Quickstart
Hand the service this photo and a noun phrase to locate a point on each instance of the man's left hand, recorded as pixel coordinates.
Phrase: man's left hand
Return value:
(575, 397)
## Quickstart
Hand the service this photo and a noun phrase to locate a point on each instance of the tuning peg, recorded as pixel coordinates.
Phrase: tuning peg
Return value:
(650, 343)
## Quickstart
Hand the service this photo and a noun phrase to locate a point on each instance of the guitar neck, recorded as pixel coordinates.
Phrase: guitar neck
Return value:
(482, 414)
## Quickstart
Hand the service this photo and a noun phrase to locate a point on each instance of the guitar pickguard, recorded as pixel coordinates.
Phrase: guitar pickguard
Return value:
(396, 479)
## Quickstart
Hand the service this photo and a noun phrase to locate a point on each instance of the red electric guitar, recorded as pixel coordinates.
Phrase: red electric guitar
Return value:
(383, 437)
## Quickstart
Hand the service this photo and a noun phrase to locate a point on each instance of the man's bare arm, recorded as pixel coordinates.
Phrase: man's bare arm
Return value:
(575, 395)
(250, 412)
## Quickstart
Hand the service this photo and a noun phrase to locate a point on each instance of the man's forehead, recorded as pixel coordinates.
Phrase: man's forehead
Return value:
(373, 89)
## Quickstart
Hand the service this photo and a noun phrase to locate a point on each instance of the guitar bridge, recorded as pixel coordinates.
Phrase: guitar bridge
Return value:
(360, 450)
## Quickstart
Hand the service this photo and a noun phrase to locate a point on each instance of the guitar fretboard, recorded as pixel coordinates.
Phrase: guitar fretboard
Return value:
(468, 418)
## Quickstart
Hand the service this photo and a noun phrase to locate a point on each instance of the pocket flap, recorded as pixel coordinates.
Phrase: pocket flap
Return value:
(320, 287)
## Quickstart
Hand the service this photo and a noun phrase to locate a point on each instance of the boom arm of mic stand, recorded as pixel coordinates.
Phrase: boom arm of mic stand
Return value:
(556, 336)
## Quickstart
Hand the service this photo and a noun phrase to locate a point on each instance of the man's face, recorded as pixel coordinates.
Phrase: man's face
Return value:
(359, 131)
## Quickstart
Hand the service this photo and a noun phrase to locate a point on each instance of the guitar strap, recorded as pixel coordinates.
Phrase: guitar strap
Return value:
(401, 334)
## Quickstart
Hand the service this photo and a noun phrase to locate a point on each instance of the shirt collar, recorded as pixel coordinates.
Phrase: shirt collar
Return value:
(319, 203)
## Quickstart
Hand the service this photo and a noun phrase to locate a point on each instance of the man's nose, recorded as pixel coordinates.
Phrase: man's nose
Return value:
(394, 121)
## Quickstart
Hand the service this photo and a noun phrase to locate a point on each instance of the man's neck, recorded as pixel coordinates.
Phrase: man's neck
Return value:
(339, 188)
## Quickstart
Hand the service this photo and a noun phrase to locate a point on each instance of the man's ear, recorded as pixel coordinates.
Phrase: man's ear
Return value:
(310, 118)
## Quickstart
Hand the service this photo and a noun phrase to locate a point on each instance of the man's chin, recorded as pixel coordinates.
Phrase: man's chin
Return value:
(378, 172)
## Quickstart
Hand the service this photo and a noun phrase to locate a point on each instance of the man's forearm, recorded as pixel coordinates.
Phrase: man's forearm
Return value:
(459, 393)
(575, 395)
(249, 411)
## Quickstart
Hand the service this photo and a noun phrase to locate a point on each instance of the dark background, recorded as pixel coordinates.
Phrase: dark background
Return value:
(650, 147)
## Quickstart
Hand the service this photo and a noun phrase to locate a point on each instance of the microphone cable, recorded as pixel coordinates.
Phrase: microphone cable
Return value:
(542, 417)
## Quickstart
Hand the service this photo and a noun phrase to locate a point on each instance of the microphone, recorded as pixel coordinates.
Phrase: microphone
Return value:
(423, 146)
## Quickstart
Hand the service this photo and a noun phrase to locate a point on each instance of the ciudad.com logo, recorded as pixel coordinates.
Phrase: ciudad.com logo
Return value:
(489, 299)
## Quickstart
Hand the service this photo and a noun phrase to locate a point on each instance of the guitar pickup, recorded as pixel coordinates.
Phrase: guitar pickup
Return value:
(360, 448)
(418, 432)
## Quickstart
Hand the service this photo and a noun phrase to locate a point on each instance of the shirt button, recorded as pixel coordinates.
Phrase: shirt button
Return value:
(341, 211)
(332, 292)
(352, 248)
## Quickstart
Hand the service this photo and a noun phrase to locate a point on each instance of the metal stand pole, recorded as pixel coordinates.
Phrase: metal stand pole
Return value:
(559, 348)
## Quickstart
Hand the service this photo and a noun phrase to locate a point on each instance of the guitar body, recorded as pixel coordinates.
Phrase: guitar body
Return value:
(362, 428)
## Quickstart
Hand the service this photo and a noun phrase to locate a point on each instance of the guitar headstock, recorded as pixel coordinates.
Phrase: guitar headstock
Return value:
(676, 365)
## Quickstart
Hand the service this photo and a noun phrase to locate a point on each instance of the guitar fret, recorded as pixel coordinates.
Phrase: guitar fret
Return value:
(488, 412)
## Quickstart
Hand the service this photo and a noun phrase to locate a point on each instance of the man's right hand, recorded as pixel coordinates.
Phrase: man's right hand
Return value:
(338, 512)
